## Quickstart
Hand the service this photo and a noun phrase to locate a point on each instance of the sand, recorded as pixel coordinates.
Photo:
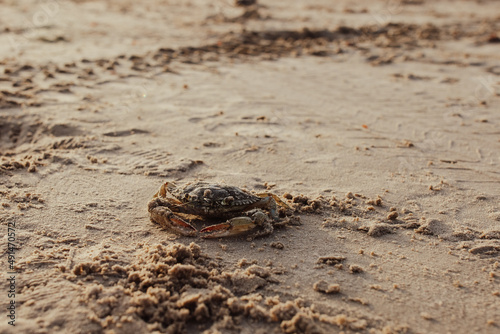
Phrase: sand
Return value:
(376, 121)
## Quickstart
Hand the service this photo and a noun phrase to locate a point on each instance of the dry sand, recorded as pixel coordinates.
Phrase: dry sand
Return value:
(380, 119)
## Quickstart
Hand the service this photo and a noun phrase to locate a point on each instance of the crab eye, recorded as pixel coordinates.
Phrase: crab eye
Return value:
(207, 193)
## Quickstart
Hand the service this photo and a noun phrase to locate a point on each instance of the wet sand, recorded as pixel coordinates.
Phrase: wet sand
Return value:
(376, 121)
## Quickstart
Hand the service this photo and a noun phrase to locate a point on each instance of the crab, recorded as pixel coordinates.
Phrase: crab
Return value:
(243, 210)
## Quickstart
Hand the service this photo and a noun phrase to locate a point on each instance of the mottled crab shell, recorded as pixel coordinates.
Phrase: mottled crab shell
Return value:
(216, 200)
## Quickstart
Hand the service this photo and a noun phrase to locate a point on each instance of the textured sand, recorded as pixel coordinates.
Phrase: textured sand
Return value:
(378, 120)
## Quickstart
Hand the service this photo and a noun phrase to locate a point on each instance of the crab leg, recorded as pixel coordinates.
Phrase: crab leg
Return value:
(166, 187)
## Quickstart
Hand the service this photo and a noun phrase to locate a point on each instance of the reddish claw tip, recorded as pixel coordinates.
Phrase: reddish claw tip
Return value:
(182, 223)
(214, 228)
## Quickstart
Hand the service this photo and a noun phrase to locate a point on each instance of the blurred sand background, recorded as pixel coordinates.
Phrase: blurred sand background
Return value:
(385, 113)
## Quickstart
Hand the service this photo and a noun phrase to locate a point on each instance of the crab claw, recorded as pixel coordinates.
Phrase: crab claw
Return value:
(171, 222)
(234, 226)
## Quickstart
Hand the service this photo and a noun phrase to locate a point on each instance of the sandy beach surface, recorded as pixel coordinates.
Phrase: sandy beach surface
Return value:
(378, 122)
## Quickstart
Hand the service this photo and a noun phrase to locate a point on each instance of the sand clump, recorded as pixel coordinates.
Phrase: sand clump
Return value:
(331, 259)
(302, 203)
(176, 288)
(324, 287)
(357, 212)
